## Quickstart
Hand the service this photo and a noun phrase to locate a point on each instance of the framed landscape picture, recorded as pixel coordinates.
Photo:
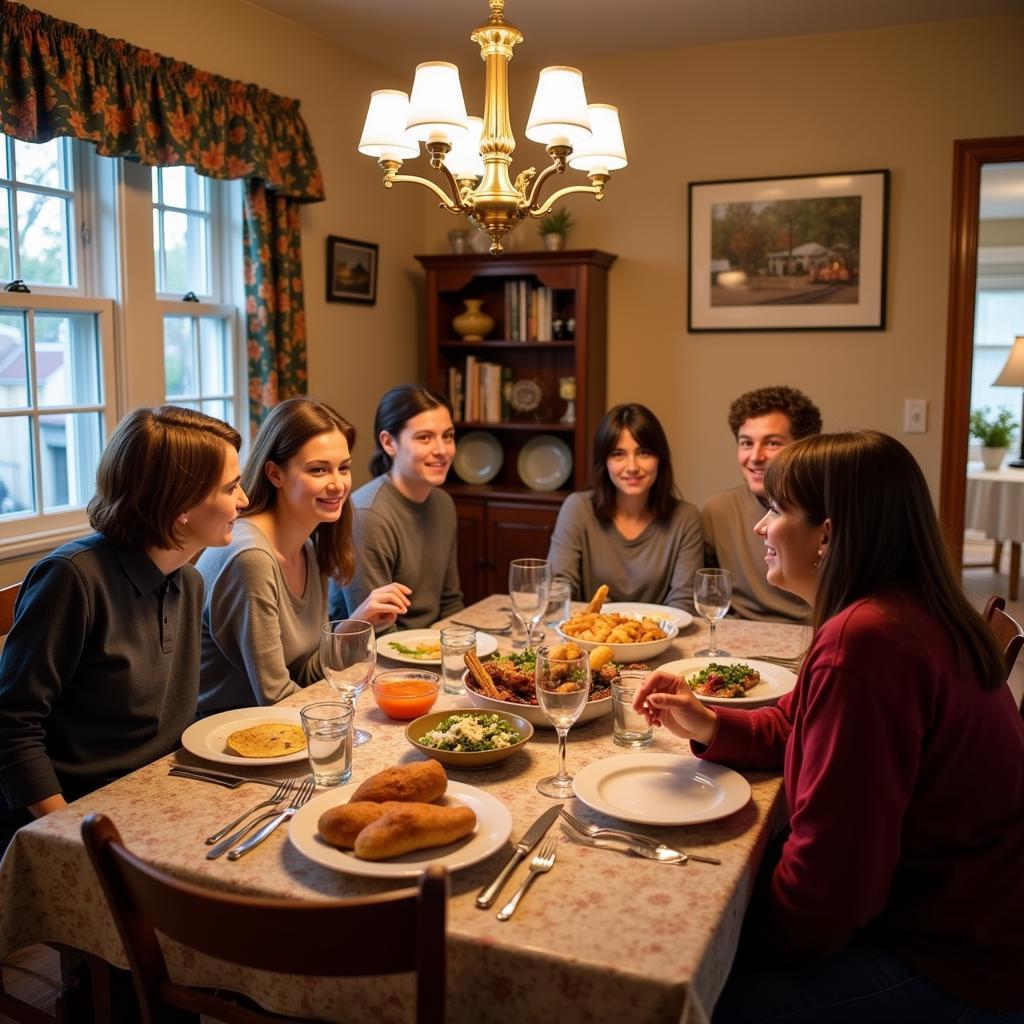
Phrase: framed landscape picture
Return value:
(351, 270)
(789, 254)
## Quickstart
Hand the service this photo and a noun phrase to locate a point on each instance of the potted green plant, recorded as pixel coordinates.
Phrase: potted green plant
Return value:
(553, 227)
(994, 432)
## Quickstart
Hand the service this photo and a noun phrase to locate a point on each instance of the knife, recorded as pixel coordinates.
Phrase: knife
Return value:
(533, 834)
(211, 775)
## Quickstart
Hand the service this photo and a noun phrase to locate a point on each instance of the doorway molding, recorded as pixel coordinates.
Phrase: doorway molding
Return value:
(969, 155)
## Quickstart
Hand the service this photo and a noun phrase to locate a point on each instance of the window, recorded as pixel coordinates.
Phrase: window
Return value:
(181, 231)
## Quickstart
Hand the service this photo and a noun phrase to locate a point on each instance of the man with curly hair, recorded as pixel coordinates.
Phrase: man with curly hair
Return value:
(763, 423)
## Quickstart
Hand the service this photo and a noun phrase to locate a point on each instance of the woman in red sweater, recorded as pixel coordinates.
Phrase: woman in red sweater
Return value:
(898, 895)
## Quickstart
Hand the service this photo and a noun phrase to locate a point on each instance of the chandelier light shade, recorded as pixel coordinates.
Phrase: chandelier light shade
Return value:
(473, 155)
(384, 133)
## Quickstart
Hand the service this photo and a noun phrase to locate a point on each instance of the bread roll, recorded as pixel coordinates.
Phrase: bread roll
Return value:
(339, 826)
(413, 826)
(422, 781)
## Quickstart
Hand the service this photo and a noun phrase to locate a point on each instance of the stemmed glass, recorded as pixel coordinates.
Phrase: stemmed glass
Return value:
(563, 685)
(712, 594)
(529, 582)
(348, 654)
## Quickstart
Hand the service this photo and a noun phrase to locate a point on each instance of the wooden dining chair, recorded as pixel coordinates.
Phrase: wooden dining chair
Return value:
(1008, 633)
(385, 934)
(8, 595)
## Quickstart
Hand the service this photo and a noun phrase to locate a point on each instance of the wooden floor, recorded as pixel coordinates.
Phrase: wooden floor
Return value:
(33, 977)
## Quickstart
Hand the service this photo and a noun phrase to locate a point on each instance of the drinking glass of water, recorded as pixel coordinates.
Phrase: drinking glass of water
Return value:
(563, 685)
(712, 594)
(529, 581)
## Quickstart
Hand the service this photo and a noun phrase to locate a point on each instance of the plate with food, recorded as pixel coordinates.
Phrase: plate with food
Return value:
(507, 683)
(639, 610)
(399, 822)
(631, 637)
(468, 740)
(254, 736)
(741, 682)
(423, 646)
(661, 789)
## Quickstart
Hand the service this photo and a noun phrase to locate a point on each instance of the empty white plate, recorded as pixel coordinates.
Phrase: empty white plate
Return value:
(544, 463)
(478, 457)
(661, 789)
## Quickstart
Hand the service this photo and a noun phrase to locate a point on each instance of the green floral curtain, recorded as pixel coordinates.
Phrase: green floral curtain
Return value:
(58, 79)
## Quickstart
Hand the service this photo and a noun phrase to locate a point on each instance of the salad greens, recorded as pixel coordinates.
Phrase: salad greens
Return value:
(465, 733)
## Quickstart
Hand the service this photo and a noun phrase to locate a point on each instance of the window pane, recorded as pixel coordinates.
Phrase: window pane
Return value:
(215, 353)
(175, 188)
(70, 448)
(67, 359)
(220, 408)
(185, 245)
(155, 180)
(43, 238)
(13, 362)
(179, 358)
(6, 266)
(157, 251)
(17, 486)
(41, 163)
(4, 173)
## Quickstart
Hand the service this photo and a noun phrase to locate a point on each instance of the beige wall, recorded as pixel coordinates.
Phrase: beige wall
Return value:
(893, 99)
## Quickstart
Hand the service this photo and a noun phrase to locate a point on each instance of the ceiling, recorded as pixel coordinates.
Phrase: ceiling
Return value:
(401, 33)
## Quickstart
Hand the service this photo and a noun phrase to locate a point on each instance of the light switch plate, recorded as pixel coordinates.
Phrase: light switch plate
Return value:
(915, 416)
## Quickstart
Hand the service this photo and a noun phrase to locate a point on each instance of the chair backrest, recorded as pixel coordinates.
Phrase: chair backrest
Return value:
(386, 934)
(1008, 632)
(8, 595)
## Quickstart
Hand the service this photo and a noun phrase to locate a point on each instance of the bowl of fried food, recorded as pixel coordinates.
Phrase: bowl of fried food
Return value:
(508, 683)
(469, 739)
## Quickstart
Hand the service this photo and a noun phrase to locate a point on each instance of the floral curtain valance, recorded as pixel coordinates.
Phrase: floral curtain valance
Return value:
(57, 78)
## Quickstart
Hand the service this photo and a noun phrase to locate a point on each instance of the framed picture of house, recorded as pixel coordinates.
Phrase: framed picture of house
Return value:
(801, 253)
(351, 270)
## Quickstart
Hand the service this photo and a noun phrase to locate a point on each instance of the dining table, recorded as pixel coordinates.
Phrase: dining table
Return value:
(602, 936)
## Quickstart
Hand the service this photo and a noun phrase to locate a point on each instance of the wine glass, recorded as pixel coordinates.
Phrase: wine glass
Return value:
(348, 654)
(563, 685)
(529, 582)
(712, 593)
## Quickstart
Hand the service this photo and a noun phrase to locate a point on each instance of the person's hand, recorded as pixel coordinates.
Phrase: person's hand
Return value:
(383, 605)
(665, 699)
(47, 805)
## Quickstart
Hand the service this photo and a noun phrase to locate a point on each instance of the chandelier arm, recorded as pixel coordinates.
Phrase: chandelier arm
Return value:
(595, 190)
(455, 187)
(553, 168)
(446, 202)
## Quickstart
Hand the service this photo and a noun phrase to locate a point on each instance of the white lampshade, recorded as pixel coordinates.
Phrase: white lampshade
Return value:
(559, 114)
(384, 134)
(1012, 374)
(604, 151)
(437, 110)
(464, 160)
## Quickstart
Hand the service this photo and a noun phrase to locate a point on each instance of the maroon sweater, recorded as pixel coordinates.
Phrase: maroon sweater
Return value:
(905, 783)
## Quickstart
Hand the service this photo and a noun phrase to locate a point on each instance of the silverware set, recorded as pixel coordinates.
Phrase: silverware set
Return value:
(282, 791)
(187, 771)
(626, 842)
(497, 630)
(793, 664)
(543, 861)
(305, 791)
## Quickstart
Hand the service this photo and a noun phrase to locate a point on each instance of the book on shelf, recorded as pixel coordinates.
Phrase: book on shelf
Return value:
(483, 391)
(528, 311)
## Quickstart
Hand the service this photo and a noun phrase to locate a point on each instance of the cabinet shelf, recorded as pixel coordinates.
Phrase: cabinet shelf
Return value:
(532, 427)
(469, 347)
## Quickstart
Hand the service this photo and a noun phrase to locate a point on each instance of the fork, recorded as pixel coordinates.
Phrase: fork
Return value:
(276, 797)
(304, 793)
(597, 832)
(793, 664)
(543, 860)
(497, 630)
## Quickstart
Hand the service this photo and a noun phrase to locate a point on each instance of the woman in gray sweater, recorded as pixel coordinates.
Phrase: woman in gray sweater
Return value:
(266, 593)
(632, 531)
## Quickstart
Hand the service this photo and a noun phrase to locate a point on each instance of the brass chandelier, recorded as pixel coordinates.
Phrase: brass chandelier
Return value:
(473, 154)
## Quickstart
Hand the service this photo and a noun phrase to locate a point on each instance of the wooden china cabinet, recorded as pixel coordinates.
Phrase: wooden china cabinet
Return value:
(516, 397)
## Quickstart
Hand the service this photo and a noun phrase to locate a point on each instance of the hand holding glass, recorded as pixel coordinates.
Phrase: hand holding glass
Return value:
(348, 654)
(529, 582)
(563, 685)
(712, 594)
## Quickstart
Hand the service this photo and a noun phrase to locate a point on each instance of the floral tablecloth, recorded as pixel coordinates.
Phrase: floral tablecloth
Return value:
(604, 936)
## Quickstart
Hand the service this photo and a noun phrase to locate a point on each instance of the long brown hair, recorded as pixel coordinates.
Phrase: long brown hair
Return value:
(649, 434)
(158, 463)
(288, 427)
(884, 535)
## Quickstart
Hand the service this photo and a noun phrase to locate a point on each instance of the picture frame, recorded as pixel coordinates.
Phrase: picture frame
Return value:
(351, 270)
(797, 253)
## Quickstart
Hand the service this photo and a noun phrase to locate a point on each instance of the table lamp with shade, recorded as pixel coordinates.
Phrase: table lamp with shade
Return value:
(1012, 376)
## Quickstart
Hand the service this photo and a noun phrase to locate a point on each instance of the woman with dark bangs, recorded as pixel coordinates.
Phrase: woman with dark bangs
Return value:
(100, 670)
(266, 593)
(632, 531)
(897, 893)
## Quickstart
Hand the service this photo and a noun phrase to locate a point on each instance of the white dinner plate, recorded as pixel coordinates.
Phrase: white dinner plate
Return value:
(655, 611)
(207, 738)
(661, 789)
(493, 827)
(775, 680)
(544, 463)
(478, 457)
(486, 645)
